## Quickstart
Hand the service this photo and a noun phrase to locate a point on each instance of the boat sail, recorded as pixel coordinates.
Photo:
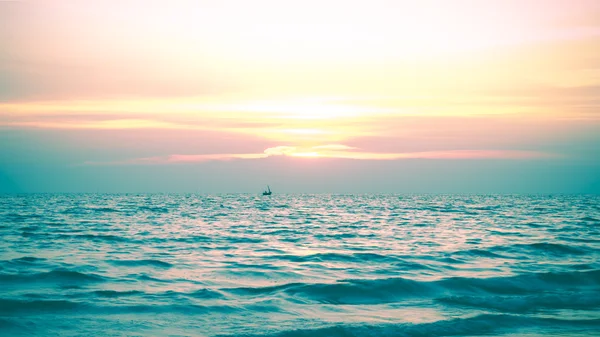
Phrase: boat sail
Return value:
(268, 191)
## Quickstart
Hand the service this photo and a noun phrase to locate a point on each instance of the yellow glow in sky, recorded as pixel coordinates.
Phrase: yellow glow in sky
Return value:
(368, 75)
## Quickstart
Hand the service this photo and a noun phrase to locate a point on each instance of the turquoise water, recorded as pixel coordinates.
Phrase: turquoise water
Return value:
(299, 265)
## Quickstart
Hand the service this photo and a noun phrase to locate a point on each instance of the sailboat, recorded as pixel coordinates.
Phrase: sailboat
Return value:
(268, 191)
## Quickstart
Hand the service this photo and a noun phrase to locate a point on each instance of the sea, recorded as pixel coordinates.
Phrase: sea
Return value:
(299, 265)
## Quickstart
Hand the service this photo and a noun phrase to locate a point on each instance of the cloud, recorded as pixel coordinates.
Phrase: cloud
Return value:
(280, 150)
(182, 158)
(112, 124)
(333, 147)
(335, 151)
(455, 154)
(99, 49)
(179, 159)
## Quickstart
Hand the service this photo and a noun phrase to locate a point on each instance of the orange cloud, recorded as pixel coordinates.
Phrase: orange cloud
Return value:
(280, 150)
(333, 151)
(333, 147)
(452, 154)
(113, 124)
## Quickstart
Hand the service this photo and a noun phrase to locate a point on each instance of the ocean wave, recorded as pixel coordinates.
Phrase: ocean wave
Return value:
(356, 265)
(17, 307)
(101, 237)
(202, 293)
(242, 239)
(186, 239)
(141, 263)
(389, 290)
(27, 260)
(10, 327)
(114, 293)
(152, 209)
(104, 209)
(514, 250)
(148, 278)
(585, 266)
(528, 303)
(18, 217)
(342, 236)
(477, 325)
(334, 257)
(13, 307)
(548, 248)
(57, 275)
(184, 309)
(482, 253)
(521, 284)
(241, 265)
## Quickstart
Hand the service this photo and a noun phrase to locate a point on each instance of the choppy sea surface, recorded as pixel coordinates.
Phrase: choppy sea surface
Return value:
(299, 265)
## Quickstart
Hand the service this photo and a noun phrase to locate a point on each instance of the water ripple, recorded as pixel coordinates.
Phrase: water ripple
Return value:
(299, 265)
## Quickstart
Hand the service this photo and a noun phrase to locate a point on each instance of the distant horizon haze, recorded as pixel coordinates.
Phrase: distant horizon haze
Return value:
(295, 175)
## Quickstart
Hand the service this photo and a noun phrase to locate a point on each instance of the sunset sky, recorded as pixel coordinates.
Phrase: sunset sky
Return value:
(307, 96)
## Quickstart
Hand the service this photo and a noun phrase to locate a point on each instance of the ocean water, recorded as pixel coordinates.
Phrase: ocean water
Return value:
(299, 265)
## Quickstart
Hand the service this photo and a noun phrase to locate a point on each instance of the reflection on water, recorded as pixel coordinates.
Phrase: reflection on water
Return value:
(299, 265)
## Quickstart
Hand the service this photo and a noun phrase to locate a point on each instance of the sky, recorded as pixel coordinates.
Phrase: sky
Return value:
(328, 96)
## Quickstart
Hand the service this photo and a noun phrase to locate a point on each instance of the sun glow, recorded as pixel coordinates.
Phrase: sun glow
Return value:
(306, 154)
(305, 131)
(369, 80)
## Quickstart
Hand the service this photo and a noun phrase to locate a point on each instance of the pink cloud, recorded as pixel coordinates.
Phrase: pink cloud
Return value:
(452, 154)
(332, 151)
